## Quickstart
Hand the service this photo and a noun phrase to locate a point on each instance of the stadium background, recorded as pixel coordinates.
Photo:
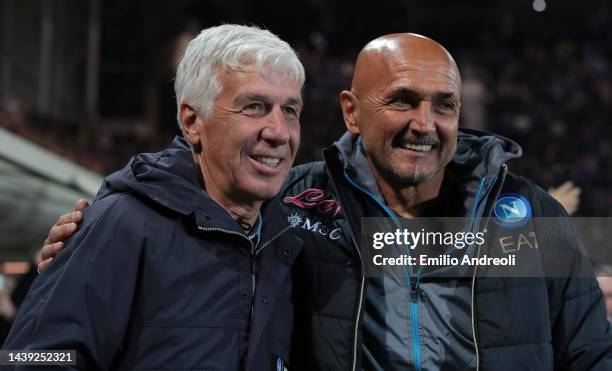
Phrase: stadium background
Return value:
(84, 85)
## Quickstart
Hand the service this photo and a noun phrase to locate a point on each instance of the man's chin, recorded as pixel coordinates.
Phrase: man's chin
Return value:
(413, 177)
(262, 191)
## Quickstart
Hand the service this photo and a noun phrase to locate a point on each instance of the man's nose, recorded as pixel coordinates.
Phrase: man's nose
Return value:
(276, 130)
(423, 121)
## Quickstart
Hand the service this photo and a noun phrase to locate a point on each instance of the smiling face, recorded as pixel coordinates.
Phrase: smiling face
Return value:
(404, 103)
(250, 139)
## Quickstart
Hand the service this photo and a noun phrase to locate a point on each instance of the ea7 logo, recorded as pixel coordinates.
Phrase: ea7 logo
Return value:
(298, 221)
(314, 197)
(518, 241)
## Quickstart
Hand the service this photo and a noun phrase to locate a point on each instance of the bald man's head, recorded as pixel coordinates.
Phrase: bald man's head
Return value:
(404, 102)
(378, 55)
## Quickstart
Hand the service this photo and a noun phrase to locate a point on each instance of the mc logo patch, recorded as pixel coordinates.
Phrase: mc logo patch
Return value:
(315, 198)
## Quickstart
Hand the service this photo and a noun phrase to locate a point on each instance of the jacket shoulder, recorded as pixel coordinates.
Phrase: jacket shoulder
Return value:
(542, 203)
(309, 175)
(116, 217)
(120, 205)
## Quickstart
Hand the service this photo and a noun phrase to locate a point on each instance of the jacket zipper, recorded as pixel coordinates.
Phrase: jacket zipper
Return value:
(414, 292)
(361, 288)
(414, 305)
(361, 291)
(254, 253)
(414, 283)
(473, 312)
(359, 305)
(253, 278)
(271, 240)
(253, 260)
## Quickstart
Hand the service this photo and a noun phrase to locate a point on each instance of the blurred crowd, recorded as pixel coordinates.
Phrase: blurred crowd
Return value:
(555, 100)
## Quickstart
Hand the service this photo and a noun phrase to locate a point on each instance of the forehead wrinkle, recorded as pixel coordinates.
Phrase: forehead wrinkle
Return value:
(444, 80)
(407, 84)
(445, 68)
(421, 93)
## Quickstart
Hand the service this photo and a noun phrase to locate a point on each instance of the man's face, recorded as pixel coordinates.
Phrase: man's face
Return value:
(605, 284)
(251, 137)
(408, 111)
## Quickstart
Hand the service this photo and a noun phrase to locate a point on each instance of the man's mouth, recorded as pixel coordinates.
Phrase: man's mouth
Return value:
(418, 147)
(416, 144)
(267, 161)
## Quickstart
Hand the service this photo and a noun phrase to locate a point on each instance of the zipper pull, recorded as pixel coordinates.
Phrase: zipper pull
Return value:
(253, 273)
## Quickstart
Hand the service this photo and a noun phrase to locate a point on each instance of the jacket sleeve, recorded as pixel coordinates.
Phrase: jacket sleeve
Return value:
(83, 300)
(581, 334)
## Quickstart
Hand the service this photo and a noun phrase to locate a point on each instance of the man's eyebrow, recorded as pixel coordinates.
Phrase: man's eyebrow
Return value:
(403, 91)
(252, 97)
(266, 99)
(446, 95)
(295, 101)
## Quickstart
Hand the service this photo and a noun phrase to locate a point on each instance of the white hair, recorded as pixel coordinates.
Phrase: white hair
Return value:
(231, 47)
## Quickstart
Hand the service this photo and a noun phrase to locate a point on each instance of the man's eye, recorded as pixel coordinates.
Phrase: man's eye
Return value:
(291, 113)
(254, 109)
(402, 103)
(447, 107)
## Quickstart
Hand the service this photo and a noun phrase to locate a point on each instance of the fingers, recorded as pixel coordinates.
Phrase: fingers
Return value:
(570, 188)
(568, 195)
(566, 186)
(576, 191)
(60, 233)
(80, 205)
(567, 189)
(44, 264)
(50, 251)
(65, 227)
(74, 217)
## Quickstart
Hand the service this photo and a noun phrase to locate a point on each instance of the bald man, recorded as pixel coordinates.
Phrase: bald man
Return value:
(404, 104)
(403, 156)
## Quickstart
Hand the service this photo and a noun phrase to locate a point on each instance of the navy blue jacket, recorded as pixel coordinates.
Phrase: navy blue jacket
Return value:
(159, 276)
(540, 323)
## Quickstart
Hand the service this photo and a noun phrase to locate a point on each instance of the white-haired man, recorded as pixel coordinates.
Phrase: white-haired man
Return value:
(179, 264)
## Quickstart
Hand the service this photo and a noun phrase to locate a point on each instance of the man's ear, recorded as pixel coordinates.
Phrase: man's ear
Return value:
(350, 111)
(191, 123)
